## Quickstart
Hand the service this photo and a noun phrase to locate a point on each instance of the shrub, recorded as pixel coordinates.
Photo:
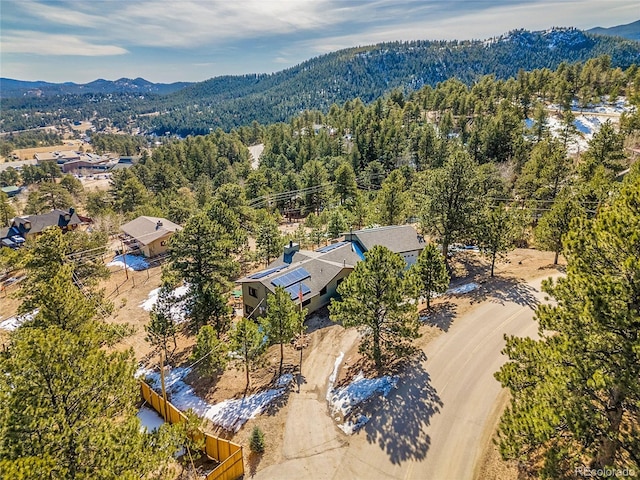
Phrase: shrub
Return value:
(256, 440)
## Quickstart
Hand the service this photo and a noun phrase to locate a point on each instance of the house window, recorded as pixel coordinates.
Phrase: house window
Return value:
(253, 292)
(323, 290)
(306, 302)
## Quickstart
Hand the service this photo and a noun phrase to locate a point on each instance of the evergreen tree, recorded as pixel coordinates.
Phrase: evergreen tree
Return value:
(47, 197)
(210, 306)
(555, 223)
(198, 256)
(210, 351)
(374, 299)
(52, 268)
(392, 200)
(546, 172)
(606, 149)
(283, 321)
(162, 327)
(7, 212)
(575, 391)
(269, 241)
(496, 233)
(448, 199)
(314, 180)
(345, 187)
(248, 343)
(430, 273)
(337, 223)
(68, 409)
(359, 209)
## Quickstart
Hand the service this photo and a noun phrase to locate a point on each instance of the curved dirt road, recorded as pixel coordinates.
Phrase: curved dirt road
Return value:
(431, 427)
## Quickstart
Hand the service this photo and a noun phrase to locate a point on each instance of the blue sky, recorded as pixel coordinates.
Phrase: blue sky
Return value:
(193, 40)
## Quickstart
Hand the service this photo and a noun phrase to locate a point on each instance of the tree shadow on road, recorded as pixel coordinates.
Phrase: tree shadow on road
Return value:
(399, 426)
(440, 315)
(508, 290)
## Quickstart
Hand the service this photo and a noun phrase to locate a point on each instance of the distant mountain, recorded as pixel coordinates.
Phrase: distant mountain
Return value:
(362, 72)
(18, 88)
(370, 72)
(630, 31)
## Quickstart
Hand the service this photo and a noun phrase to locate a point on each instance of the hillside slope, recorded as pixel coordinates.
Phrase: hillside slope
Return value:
(630, 31)
(361, 72)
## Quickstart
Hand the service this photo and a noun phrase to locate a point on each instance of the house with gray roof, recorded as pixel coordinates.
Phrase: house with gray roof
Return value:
(149, 235)
(400, 239)
(312, 277)
(30, 226)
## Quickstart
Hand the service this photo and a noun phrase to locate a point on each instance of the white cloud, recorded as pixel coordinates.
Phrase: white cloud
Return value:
(53, 14)
(38, 43)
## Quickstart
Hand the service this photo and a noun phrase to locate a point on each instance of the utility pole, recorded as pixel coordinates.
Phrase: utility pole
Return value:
(124, 259)
(301, 341)
(164, 390)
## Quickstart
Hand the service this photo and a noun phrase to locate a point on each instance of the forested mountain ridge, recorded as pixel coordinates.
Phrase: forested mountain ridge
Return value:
(360, 72)
(18, 88)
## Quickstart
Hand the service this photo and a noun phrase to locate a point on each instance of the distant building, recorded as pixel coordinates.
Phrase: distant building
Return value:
(11, 190)
(312, 277)
(149, 235)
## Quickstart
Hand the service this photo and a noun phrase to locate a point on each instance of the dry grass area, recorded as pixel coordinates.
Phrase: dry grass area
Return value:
(70, 144)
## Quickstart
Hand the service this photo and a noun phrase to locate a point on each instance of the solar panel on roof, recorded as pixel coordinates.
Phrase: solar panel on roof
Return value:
(294, 290)
(291, 277)
(264, 273)
(328, 248)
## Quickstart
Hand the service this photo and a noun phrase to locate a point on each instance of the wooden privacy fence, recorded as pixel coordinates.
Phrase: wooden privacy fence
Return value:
(229, 454)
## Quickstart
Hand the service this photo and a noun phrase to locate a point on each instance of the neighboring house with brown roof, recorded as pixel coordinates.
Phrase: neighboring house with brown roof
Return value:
(313, 276)
(150, 235)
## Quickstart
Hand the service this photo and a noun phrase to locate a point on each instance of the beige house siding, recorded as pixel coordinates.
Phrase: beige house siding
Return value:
(250, 301)
(157, 247)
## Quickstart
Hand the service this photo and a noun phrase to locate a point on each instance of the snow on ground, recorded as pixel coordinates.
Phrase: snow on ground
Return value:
(230, 414)
(150, 420)
(178, 310)
(464, 288)
(134, 262)
(333, 376)
(344, 400)
(12, 323)
(587, 121)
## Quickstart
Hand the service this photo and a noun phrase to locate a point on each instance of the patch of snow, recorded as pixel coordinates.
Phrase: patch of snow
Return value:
(150, 420)
(11, 323)
(466, 288)
(178, 310)
(284, 380)
(230, 414)
(133, 262)
(344, 399)
(350, 427)
(333, 376)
